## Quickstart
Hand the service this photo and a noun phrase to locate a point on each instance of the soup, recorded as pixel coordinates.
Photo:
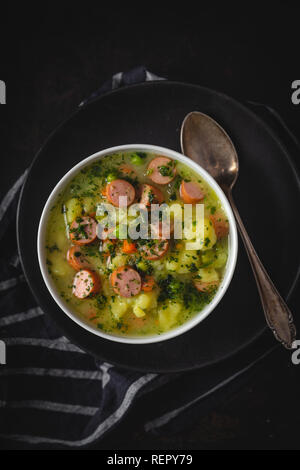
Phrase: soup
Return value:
(136, 286)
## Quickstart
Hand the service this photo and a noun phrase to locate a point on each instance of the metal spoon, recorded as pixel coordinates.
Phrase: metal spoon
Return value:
(206, 142)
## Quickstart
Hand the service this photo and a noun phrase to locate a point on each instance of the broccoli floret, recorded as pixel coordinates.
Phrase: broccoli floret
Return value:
(170, 288)
(185, 292)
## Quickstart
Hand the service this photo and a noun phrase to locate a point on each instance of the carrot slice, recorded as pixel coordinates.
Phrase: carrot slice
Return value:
(148, 284)
(129, 247)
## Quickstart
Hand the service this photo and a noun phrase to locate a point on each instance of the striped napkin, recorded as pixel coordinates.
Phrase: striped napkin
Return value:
(52, 393)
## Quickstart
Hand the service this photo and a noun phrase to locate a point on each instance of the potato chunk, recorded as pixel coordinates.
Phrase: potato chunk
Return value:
(209, 239)
(89, 205)
(215, 259)
(143, 301)
(208, 275)
(220, 261)
(119, 307)
(73, 209)
(138, 311)
(168, 314)
(118, 261)
(172, 264)
(188, 261)
(200, 238)
(59, 265)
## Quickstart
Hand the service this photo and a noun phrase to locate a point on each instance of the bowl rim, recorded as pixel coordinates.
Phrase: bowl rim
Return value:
(197, 317)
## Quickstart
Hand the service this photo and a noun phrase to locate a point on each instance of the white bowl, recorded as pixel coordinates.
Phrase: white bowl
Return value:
(232, 248)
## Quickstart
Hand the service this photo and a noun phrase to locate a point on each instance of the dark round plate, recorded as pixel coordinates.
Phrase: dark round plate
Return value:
(266, 193)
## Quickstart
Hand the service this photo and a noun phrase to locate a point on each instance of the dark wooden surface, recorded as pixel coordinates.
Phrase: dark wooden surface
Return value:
(261, 413)
(52, 60)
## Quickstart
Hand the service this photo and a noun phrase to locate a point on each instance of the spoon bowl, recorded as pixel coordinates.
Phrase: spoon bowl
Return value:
(207, 143)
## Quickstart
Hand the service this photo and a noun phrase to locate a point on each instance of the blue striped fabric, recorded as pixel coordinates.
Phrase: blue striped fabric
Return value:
(47, 379)
(51, 392)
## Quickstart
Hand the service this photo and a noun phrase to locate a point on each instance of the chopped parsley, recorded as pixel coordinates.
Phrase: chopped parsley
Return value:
(206, 241)
(52, 248)
(166, 170)
(101, 300)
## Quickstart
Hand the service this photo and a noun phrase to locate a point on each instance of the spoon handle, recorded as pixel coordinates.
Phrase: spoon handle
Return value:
(277, 313)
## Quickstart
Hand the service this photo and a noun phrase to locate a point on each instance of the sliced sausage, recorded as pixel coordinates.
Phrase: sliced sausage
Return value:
(151, 195)
(190, 192)
(161, 170)
(117, 189)
(220, 224)
(76, 258)
(85, 283)
(155, 249)
(83, 230)
(126, 281)
(205, 286)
